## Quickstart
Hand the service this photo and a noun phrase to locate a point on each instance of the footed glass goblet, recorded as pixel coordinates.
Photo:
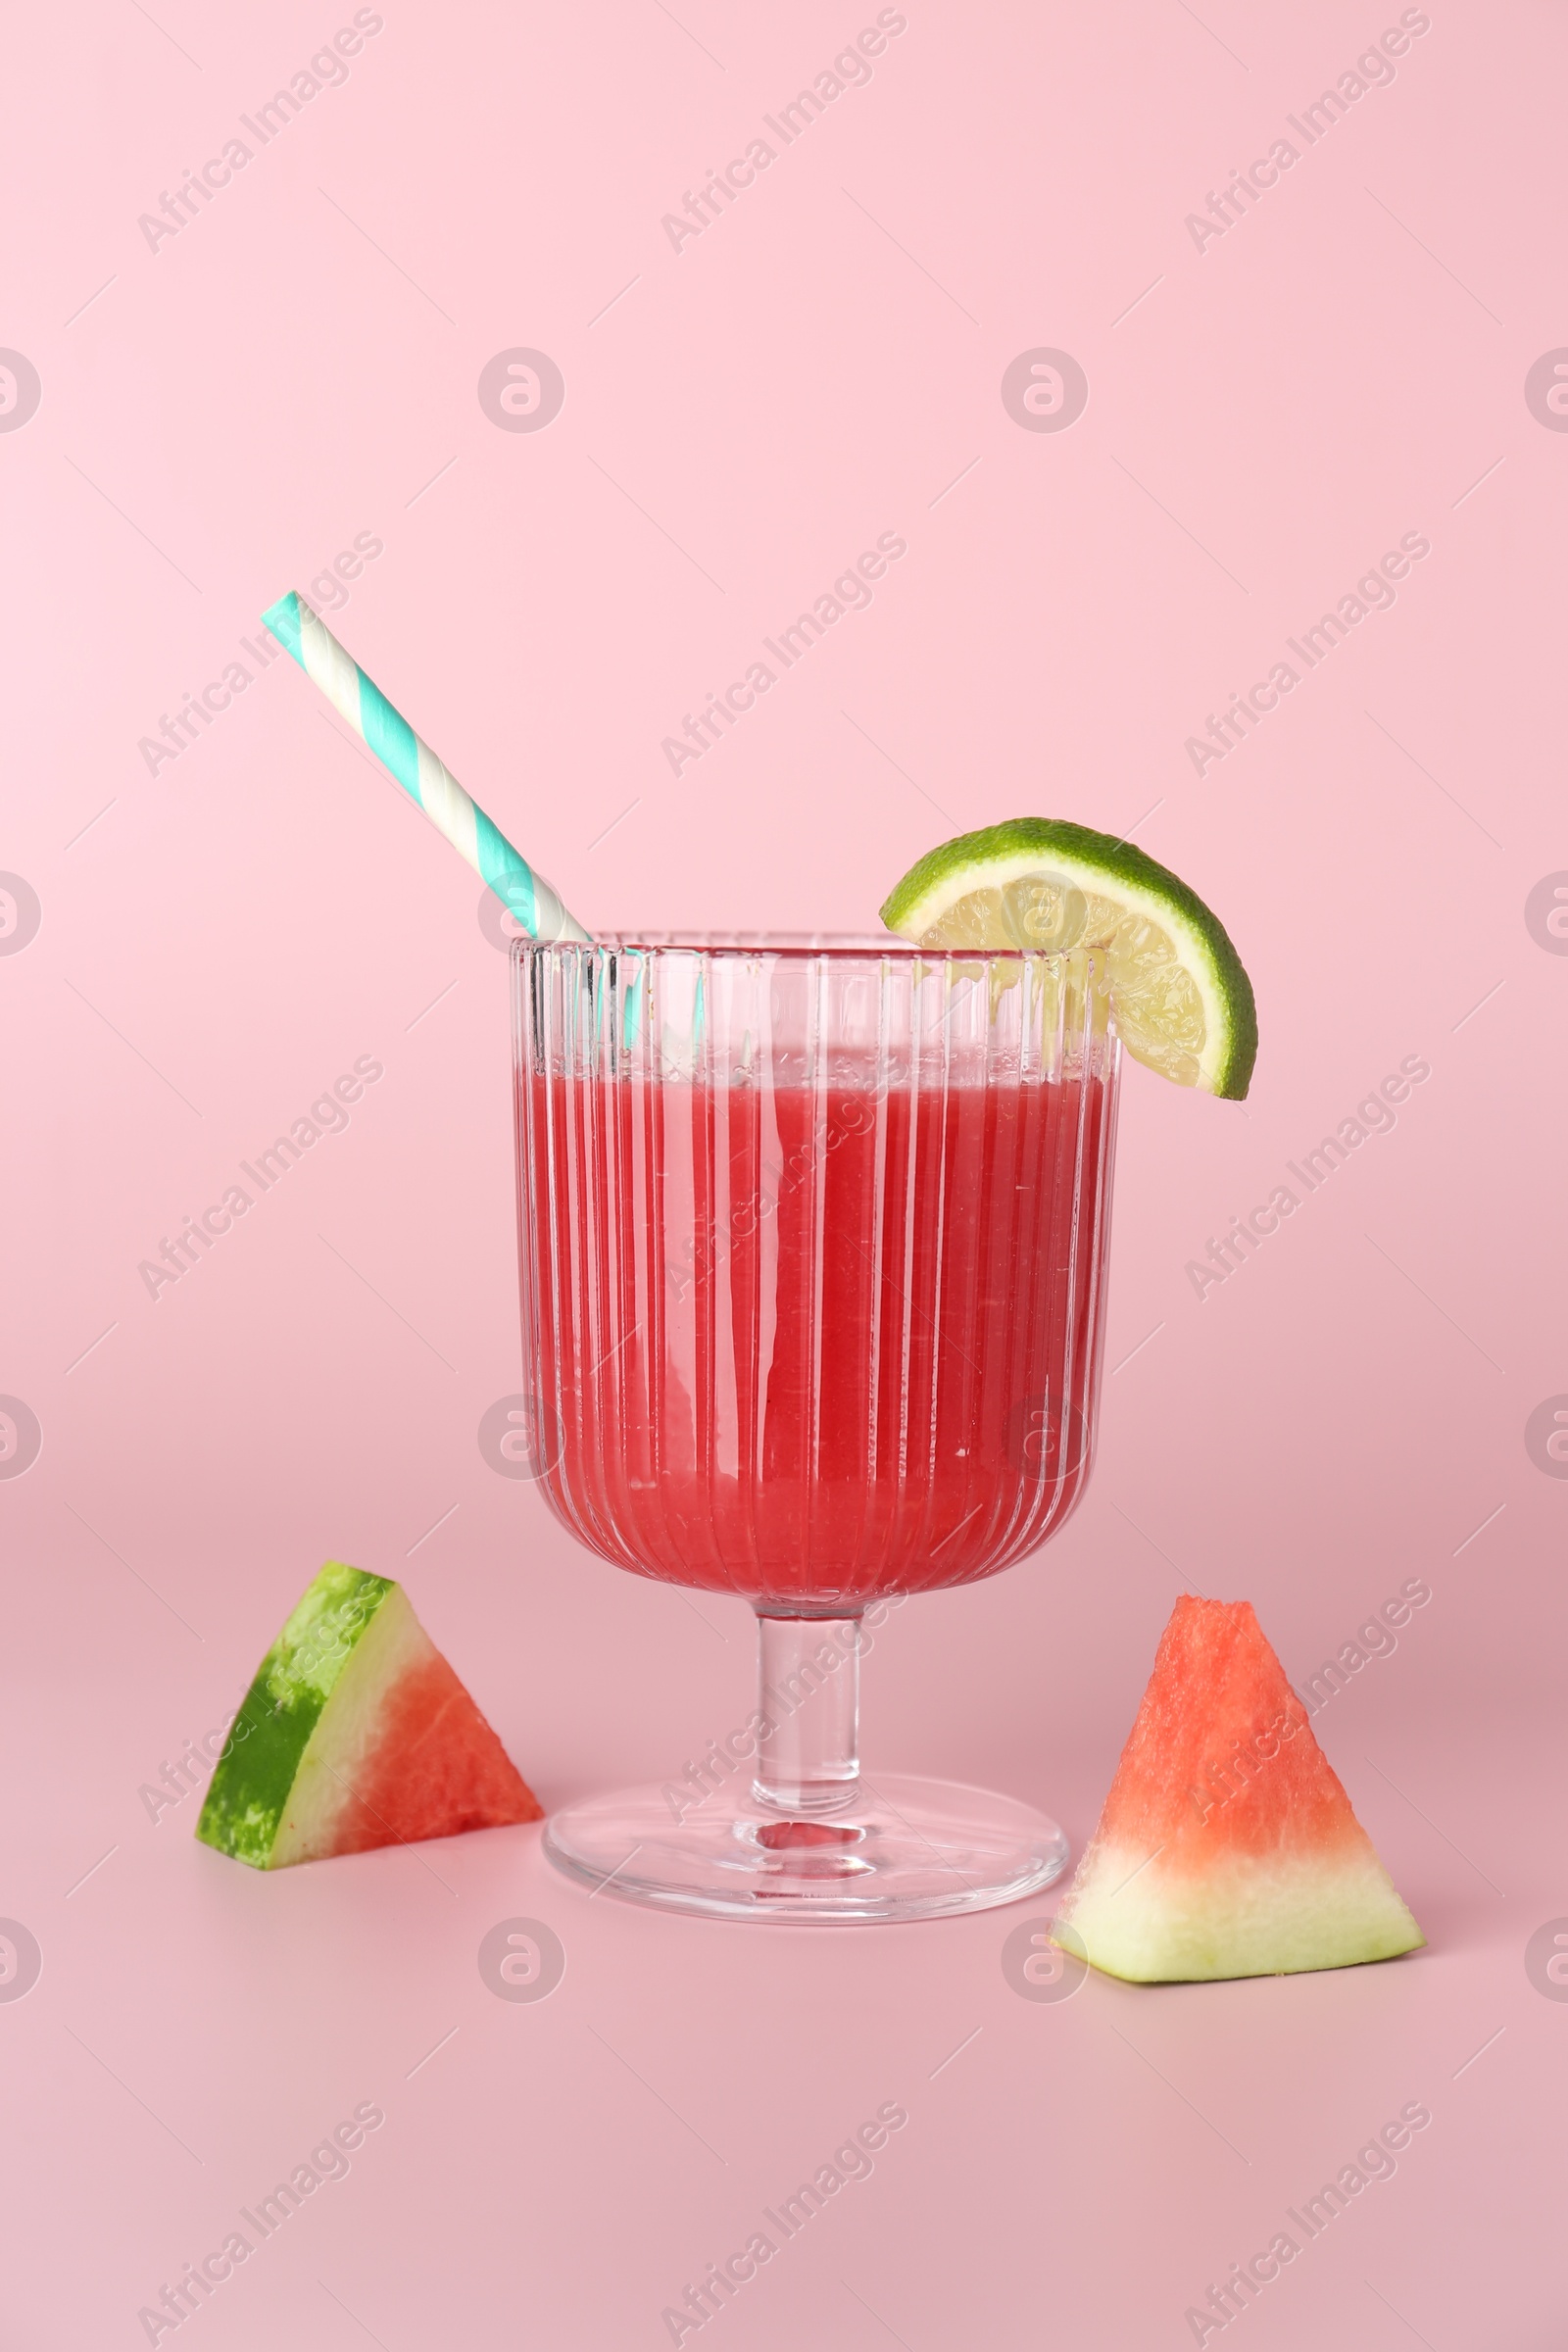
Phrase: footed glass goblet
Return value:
(812, 1246)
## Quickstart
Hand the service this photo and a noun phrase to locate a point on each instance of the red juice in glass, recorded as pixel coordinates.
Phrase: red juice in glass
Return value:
(848, 1334)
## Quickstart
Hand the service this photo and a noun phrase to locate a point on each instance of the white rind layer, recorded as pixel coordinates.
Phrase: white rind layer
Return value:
(348, 1730)
(1244, 1916)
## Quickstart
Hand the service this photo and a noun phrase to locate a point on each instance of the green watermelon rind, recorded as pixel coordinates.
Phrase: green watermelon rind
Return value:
(249, 1791)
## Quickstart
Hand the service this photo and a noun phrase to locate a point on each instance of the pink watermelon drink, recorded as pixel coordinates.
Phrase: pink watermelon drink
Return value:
(848, 1336)
(812, 1245)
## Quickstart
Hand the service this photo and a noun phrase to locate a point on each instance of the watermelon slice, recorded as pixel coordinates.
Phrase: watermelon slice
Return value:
(1227, 1846)
(356, 1733)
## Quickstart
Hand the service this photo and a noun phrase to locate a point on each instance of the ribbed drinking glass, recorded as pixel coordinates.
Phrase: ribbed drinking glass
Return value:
(812, 1246)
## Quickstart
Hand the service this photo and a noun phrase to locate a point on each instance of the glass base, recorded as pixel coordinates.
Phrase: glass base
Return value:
(904, 1849)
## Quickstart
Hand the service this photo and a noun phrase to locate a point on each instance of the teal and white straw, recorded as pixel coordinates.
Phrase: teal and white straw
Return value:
(427, 780)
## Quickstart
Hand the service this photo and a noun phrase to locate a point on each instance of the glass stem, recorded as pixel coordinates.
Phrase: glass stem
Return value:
(808, 1696)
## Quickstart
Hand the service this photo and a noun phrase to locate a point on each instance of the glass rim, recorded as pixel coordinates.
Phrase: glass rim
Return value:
(847, 946)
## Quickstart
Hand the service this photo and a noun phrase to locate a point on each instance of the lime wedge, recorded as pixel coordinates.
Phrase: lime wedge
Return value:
(1180, 999)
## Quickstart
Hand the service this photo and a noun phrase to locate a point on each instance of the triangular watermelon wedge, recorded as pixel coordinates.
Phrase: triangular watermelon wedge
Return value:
(356, 1733)
(1227, 1846)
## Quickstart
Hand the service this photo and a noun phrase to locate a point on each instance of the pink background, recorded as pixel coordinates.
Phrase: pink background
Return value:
(218, 940)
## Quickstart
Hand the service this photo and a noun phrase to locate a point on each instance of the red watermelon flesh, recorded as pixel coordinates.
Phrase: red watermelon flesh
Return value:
(436, 1768)
(1227, 1846)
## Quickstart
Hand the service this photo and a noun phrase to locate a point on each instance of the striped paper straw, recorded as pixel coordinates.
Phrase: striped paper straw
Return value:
(428, 782)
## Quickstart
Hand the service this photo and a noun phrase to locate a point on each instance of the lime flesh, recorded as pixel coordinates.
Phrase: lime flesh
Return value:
(1182, 1001)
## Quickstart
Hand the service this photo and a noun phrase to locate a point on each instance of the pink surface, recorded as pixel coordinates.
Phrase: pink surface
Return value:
(1269, 411)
